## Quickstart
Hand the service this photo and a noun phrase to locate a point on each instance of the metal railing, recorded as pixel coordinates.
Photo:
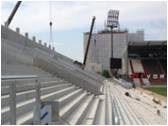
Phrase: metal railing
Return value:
(12, 79)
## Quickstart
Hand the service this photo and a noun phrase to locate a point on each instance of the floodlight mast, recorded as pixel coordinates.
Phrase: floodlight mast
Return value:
(112, 22)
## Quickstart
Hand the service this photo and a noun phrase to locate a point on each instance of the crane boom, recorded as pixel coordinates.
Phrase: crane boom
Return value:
(7, 23)
(88, 43)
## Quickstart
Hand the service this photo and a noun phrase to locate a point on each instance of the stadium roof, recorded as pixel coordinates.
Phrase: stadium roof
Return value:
(148, 49)
(149, 43)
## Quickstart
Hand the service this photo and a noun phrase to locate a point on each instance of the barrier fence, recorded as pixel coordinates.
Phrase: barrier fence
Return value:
(12, 81)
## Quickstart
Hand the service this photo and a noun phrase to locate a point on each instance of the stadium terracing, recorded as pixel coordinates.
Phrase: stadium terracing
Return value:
(148, 62)
(41, 86)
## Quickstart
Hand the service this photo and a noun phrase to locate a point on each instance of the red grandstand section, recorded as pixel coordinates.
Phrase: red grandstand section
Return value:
(154, 71)
(148, 62)
(132, 69)
(163, 63)
(137, 72)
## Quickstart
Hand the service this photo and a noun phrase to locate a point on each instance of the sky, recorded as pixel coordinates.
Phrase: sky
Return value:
(71, 19)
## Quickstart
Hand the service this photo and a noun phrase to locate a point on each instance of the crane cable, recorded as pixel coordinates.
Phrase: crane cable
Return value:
(50, 22)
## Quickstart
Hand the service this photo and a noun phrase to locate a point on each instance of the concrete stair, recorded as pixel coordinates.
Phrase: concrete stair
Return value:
(77, 91)
(77, 106)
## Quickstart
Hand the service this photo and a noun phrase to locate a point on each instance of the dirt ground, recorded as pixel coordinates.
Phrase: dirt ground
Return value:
(163, 99)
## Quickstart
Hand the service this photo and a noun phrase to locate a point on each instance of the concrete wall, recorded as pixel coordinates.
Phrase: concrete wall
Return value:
(100, 48)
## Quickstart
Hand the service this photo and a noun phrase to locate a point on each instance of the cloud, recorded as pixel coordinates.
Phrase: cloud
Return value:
(34, 16)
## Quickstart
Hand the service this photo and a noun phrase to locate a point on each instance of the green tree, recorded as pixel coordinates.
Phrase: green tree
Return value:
(106, 74)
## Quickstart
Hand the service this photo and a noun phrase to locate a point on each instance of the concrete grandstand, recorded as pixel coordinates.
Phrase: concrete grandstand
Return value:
(83, 97)
(40, 86)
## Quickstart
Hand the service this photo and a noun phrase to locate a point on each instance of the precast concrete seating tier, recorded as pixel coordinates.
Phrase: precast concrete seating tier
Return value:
(20, 56)
(77, 106)
(43, 60)
(68, 70)
(25, 97)
(24, 43)
(82, 97)
(68, 73)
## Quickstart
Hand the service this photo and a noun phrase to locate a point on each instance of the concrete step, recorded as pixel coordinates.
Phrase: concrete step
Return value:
(21, 96)
(108, 108)
(88, 116)
(26, 106)
(71, 106)
(126, 115)
(135, 119)
(79, 110)
(25, 119)
(23, 86)
(69, 97)
(122, 112)
(100, 113)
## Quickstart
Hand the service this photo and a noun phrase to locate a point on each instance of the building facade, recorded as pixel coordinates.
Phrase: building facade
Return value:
(99, 53)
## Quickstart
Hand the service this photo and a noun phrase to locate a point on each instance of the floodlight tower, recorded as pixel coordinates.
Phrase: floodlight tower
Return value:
(112, 22)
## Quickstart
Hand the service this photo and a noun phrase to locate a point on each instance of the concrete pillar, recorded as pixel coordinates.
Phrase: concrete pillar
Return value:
(45, 44)
(27, 35)
(40, 42)
(34, 38)
(49, 46)
(18, 30)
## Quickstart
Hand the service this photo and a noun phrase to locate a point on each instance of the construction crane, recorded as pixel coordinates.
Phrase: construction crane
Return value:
(88, 43)
(7, 23)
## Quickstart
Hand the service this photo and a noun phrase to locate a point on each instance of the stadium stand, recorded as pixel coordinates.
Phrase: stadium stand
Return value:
(153, 67)
(84, 97)
(147, 62)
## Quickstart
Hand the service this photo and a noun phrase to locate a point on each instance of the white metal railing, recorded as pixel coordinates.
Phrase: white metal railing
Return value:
(13, 79)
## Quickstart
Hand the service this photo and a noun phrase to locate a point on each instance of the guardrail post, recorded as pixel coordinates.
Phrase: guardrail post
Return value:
(26, 35)
(12, 88)
(18, 30)
(34, 39)
(37, 104)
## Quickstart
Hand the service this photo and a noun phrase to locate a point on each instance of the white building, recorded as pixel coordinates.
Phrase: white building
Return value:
(100, 48)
